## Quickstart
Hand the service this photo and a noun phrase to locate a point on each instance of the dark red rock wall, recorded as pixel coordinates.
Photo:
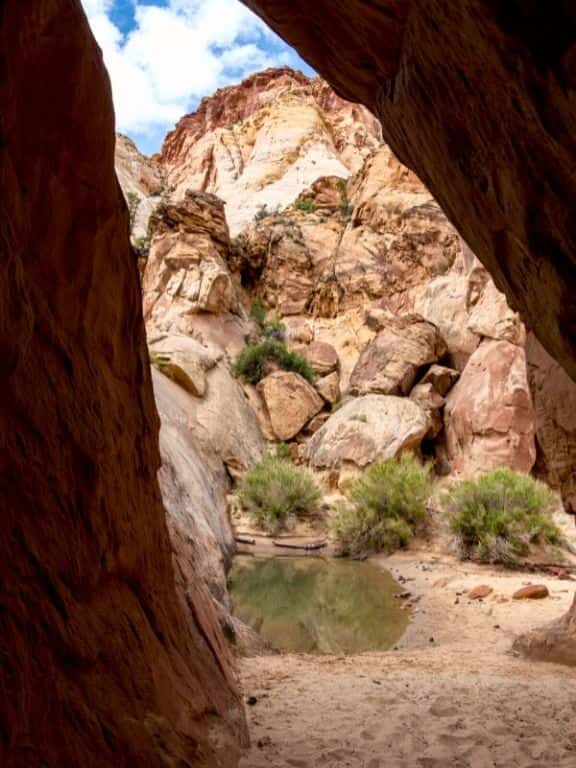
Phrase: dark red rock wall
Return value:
(478, 97)
(102, 661)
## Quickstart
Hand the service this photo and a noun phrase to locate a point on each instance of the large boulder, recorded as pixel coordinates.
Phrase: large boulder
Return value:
(365, 430)
(389, 365)
(194, 484)
(290, 401)
(322, 357)
(489, 417)
(446, 303)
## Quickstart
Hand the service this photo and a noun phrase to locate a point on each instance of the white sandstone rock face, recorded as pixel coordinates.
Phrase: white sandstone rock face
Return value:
(140, 176)
(186, 273)
(367, 429)
(260, 143)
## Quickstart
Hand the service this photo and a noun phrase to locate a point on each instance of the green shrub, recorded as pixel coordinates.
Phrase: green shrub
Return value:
(274, 488)
(258, 311)
(383, 507)
(250, 364)
(133, 201)
(497, 516)
(262, 213)
(282, 451)
(269, 329)
(347, 210)
(306, 204)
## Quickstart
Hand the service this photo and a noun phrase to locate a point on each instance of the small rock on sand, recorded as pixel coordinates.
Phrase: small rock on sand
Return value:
(531, 592)
(479, 592)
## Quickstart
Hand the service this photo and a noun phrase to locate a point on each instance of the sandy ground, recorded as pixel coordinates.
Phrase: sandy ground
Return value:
(451, 695)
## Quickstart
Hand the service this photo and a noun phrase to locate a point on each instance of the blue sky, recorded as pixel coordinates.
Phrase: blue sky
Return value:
(163, 56)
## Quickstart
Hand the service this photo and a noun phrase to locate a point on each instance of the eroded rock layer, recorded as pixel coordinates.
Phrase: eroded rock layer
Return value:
(478, 98)
(258, 144)
(103, 661)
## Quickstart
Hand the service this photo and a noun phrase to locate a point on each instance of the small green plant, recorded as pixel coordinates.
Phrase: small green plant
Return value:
(282, 451)
(347, 210)
(306, 204)
(440, 268)
(251, 363)
(258, 311)
(134, 202)
(158, 360)
(497, 516)
(262, 213)
(269, 329)
(274, 489)
(383, 507)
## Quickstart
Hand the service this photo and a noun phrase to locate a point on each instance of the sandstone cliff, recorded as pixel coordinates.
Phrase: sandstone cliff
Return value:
(260, 143)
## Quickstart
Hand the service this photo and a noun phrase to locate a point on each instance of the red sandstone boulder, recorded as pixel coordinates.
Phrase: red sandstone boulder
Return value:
(390, 363)
(489, 418)
(290, 401)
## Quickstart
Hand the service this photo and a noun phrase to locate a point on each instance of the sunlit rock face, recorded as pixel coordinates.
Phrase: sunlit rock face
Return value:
(142, 181)
(105, 662)
(260, 143)
(477, 97)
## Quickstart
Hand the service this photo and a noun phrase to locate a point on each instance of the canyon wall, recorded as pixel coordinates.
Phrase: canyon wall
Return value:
(258, 144)
(477, 97)
(103, 661)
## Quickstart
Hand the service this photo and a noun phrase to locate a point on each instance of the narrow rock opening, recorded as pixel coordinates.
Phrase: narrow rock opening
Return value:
(270, 335)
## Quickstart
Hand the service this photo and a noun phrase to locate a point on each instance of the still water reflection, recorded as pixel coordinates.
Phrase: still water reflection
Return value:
(314, 605)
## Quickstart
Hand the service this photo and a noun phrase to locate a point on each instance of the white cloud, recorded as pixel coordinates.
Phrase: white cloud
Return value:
(176, 52)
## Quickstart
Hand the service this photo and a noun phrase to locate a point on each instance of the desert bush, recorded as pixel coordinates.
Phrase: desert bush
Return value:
(497, 517)
(134, 200)
(258, 310)
(250, 364)
(383, 507)
(269, 329)
(274, 489)
(306, 204)
(262, 213)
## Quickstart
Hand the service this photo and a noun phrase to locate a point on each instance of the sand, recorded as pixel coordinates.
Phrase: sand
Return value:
(452, 695)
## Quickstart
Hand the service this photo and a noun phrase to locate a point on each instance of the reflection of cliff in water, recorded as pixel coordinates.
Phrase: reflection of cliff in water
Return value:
(313, 605)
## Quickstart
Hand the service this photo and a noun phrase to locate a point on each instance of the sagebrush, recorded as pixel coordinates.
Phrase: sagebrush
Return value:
(498, 516)
(251, 363)
(383, 507)
(274, 489)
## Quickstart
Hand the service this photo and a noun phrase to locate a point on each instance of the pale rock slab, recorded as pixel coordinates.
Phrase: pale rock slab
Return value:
(365, 430)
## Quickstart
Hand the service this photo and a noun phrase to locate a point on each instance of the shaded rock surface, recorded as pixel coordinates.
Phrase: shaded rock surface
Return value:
(554, 395)
(106, 660)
